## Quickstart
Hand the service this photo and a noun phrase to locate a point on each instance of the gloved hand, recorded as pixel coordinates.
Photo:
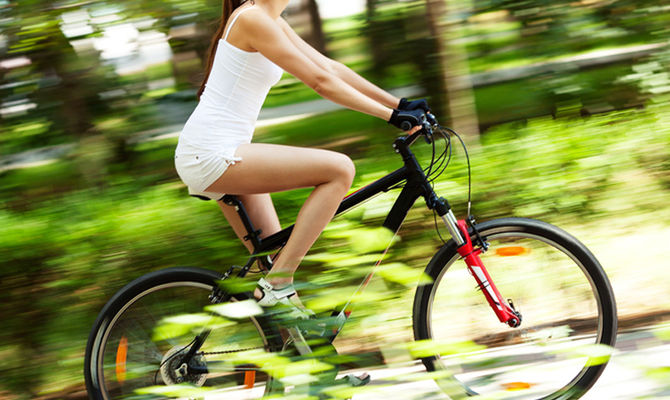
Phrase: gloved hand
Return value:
(407, 105)
(407, 119)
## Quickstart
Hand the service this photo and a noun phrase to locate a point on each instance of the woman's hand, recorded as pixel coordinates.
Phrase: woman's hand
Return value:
(414, 105)
(408, 120)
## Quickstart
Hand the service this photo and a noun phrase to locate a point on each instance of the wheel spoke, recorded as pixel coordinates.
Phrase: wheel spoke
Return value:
(562, 295)
(128, 357)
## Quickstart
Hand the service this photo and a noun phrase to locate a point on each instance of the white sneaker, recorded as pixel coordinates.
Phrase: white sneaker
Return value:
(272, 297)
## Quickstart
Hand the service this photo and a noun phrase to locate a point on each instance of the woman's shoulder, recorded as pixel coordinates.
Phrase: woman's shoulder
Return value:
(254, 18)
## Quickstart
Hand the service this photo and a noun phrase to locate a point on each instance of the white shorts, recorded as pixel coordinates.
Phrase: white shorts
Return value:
(199, 168)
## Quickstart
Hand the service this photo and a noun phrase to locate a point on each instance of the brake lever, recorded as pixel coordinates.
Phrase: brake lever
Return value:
(428, 125)
(428, 129)
(431, 118)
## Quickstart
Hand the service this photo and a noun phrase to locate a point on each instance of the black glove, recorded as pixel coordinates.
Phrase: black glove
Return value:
(413, 105)
(407, 119)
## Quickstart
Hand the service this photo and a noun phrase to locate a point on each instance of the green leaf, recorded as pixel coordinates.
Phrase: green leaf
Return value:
(370, 240)
(429, 348)
(663, 333)
(236, 285)
(236, 310)
(179, 325)
(182, 390)
(404, 275)
(597, 353)
(661, 374)
(330, 298)
(169, 331)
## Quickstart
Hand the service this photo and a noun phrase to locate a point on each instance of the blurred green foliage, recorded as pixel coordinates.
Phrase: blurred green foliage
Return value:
(75, 248)
(577, 143)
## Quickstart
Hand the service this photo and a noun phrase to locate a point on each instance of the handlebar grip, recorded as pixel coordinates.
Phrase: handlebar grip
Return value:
(405, 126)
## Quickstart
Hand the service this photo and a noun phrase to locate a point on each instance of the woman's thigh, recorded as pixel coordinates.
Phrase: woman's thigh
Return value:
(268, 168)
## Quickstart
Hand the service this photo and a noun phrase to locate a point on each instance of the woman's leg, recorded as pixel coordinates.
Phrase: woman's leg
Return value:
(261, 212)
(267, 168)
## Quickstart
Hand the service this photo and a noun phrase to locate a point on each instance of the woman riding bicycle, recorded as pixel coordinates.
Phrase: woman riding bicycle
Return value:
(248, 54)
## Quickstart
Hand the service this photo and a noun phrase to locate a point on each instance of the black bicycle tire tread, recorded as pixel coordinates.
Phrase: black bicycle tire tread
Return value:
(141, 284)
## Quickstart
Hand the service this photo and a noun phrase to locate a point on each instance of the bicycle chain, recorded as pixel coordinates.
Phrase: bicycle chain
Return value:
(230, 351)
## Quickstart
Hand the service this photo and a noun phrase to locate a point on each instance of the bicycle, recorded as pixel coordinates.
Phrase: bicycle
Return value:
(557, 323)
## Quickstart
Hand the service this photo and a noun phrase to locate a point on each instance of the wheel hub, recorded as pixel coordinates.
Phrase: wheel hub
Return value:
(174, 370)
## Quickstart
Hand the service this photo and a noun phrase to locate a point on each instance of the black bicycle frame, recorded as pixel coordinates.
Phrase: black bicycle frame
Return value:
(416, 185)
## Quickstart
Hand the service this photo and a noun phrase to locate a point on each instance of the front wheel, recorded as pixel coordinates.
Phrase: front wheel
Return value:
(139, 345)
(565, 301)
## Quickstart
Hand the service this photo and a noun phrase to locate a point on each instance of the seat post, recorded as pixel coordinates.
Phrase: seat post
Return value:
(253, 235)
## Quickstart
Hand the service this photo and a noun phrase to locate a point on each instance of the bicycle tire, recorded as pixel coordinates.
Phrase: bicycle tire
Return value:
(122, 316)
(522, 244)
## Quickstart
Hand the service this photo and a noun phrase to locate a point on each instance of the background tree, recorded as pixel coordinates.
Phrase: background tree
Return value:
(63, 84)
(418, 34)
(451, 65)
(305, 19)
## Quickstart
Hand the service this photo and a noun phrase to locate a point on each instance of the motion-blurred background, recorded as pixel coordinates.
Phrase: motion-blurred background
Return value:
(565, 106)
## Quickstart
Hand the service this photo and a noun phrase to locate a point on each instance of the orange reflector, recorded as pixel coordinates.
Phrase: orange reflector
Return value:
(510, 251)
(249, 379)
(121, 354)
(510, 386)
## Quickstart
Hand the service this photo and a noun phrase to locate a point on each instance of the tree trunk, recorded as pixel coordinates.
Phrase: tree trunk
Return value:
(375, 35)
(454, 75)
(318, 37)
(370, 9)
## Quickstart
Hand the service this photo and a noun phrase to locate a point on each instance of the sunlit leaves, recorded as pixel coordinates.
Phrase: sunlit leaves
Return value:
(362, 240)
(661, 374)
(596, 353)
(663, 333)
(179, 325)
(175, 391)
(430, 348)
(330, 298)
(402, 274)
(235, 285)
(236, 310)
(281, 367)
(344, 260)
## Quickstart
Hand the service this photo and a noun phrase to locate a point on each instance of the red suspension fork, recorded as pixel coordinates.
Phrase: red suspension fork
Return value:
(505, 313)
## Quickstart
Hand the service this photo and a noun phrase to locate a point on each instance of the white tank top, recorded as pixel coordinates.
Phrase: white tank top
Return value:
(237, 86)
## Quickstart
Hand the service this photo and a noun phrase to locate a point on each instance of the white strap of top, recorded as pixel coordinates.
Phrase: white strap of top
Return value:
(230, 25)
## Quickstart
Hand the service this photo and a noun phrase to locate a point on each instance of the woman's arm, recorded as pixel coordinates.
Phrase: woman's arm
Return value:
(342, 71)
(265, 35)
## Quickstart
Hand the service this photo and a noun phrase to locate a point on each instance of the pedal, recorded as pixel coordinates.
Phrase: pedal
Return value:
(354, 381)
(322, 327)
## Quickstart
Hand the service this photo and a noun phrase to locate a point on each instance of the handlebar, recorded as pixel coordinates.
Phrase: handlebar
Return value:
(427, 130)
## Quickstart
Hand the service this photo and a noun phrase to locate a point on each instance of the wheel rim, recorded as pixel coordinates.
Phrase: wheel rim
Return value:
(134, 343)
(562, 319)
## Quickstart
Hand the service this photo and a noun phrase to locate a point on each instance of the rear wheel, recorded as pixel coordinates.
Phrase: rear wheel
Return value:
(565, 300)
(139, 343)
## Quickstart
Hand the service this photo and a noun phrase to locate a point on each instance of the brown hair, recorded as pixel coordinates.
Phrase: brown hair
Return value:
(228, 7)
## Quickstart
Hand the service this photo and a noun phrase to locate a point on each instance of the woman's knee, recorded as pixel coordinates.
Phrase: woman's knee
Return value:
(345, 169)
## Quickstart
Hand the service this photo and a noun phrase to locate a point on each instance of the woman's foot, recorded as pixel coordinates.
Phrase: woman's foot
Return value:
(273, 293)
